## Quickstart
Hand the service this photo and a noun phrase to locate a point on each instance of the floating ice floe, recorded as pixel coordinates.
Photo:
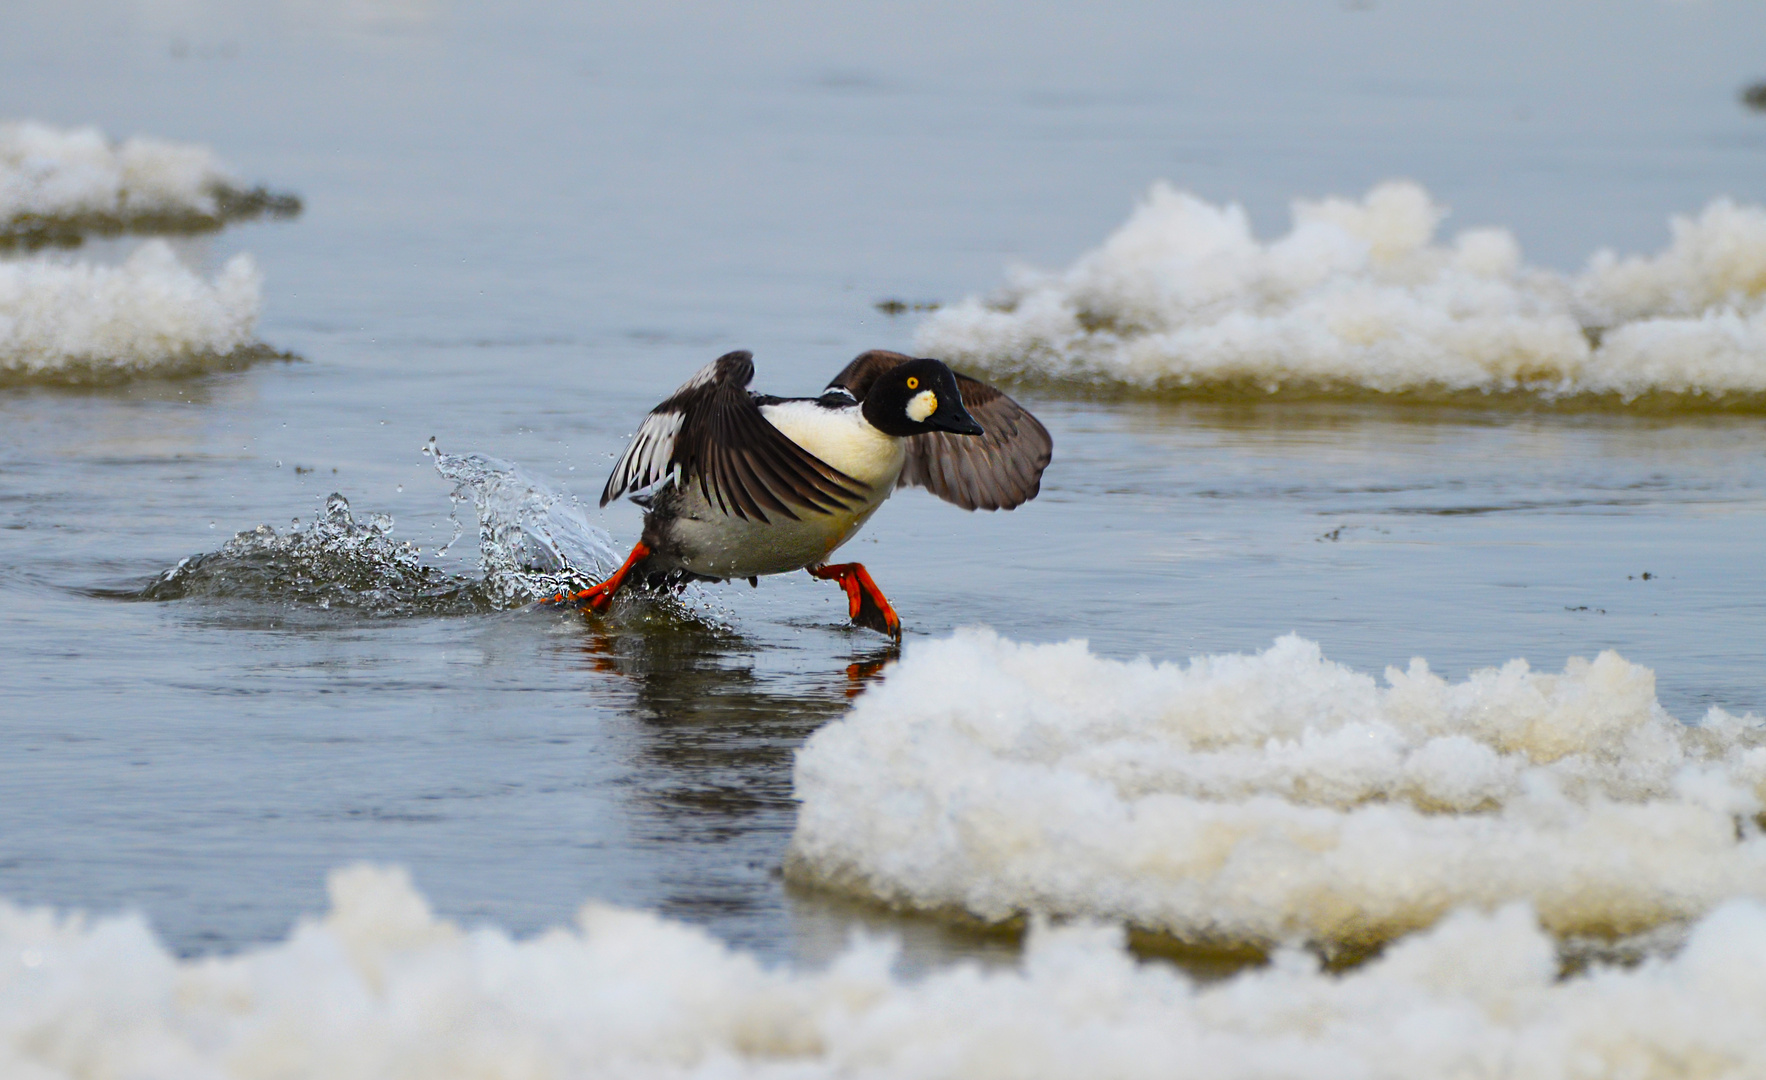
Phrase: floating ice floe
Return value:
(82, 322)
(1361, 298)
(1256, 800)
(57, 184)
(380, 988)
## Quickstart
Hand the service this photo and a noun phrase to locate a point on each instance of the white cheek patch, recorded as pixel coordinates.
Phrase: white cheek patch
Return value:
(922, 405)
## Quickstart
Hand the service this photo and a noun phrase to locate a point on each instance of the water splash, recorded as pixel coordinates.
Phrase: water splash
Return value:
(338, 561)
(533, 541)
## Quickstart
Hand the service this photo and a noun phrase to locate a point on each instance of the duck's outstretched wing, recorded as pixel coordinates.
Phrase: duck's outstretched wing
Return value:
(711, 435)
(993, 471)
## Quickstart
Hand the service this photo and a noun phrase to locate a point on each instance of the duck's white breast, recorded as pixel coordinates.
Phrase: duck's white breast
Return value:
(721, 545)
(842, 438)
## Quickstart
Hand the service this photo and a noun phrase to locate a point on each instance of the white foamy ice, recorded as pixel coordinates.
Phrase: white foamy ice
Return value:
(1361, 296)
(150, 314)
(381, 989)
(52, 172)
(1269, 798)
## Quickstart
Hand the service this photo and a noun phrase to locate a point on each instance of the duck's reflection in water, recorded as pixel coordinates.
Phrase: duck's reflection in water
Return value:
(717, 716)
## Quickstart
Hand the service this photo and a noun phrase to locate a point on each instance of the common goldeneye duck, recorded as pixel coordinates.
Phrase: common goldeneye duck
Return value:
(736, 484)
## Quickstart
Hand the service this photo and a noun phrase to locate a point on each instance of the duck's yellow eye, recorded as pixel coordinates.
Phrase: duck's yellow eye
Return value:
(913, 382)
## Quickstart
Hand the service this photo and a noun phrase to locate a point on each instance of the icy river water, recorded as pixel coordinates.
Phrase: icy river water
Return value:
(523, 225)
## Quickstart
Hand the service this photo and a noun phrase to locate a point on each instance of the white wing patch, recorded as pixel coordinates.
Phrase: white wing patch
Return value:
(700, 378)
(645, 461)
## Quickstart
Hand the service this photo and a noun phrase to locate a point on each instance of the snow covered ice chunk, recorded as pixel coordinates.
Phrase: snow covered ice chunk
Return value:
(381, 988)
(54, 172)
(57, 185)
(1278, 797)
(1360, 297)
(79, 322)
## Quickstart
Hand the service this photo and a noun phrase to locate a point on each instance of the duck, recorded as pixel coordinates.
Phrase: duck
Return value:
(736, 484)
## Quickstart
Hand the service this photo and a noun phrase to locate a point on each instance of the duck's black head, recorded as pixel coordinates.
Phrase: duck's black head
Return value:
(916, 397)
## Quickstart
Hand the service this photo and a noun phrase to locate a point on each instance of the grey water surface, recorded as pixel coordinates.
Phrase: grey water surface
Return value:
(526, 223)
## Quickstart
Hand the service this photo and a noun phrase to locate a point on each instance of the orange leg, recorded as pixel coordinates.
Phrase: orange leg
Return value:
(870, 608)
(597, 597)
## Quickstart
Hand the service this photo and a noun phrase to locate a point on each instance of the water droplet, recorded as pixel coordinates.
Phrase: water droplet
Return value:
(211, 524)
(401, 487)
(278, 463)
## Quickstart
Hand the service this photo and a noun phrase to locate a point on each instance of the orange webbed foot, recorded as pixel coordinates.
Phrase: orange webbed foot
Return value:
(869, 607)
(597, 597)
